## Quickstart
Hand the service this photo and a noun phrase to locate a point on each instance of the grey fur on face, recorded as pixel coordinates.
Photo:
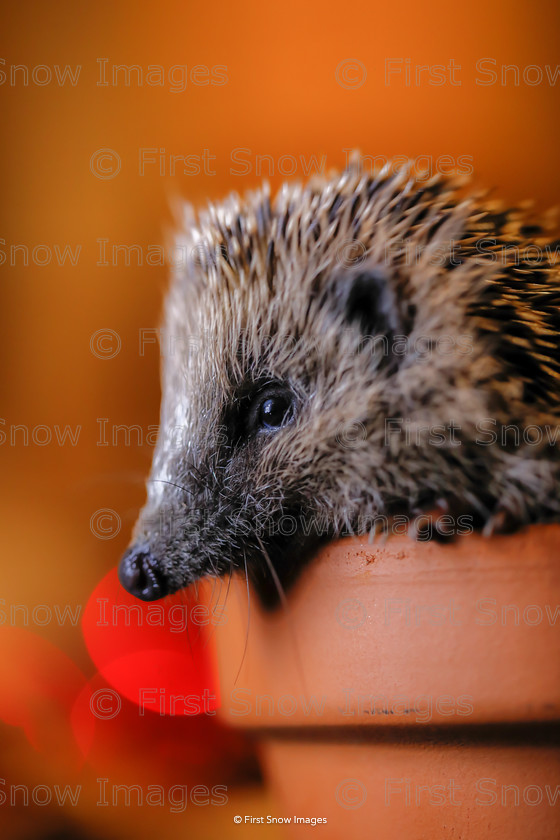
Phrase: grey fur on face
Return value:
(367, 346)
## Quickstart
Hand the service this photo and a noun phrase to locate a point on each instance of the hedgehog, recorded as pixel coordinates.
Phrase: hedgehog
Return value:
(368, 348)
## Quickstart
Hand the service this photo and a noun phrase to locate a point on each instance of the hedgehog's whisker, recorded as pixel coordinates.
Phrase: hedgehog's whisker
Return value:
(200, 480)
(185, 599)
(285, 607)
(165, 481)
(221, 581)
(274, 575)
(248, 616)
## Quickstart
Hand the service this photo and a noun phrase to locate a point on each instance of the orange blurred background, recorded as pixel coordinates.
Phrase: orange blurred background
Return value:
(284, 80)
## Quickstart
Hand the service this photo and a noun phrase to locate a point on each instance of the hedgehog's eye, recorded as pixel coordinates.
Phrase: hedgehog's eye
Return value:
(274, 412)
(271, 409)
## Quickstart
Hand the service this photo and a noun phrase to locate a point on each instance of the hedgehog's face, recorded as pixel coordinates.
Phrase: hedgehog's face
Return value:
(279, 375)
(260, 411)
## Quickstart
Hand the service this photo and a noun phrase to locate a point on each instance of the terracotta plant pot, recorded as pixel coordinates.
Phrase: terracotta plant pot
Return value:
(409, 690)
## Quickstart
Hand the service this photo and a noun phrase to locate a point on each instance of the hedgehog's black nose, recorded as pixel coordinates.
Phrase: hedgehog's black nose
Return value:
(140, 575)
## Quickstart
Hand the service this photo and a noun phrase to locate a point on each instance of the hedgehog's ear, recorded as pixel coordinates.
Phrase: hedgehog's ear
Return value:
(367, 300)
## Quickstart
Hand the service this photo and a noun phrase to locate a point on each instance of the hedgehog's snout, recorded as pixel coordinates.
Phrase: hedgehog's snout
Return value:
(141, 575)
